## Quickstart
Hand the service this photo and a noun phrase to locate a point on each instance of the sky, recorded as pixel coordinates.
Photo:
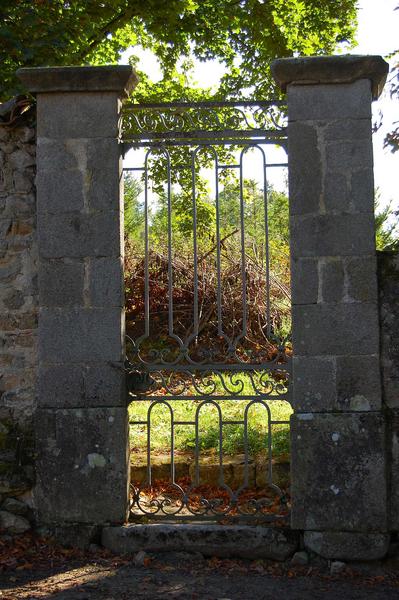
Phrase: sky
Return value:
(378, 33)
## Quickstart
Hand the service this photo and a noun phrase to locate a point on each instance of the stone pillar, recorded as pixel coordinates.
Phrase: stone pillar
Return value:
(81, 424)
(338, 437)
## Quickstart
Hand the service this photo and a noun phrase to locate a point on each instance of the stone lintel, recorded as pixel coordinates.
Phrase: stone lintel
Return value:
(313, 70)
(113, 78)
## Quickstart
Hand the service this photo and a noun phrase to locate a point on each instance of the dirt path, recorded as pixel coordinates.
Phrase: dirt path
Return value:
(178, 576)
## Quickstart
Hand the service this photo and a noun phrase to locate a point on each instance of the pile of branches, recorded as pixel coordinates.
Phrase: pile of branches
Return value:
(260, 333)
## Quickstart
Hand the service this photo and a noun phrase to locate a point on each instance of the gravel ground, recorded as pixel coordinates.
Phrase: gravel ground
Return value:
(191, 577)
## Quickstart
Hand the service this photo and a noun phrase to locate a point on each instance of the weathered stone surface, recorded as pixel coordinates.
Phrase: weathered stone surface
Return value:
(78, 175)
(11, 482)
(331, 329)
(348, 279)
(82, 465)
(305, 172)
(348, 156)
(13, 524)
(304, 281)
(81, 385)
(314, 381)
(75, 535)
(60, 190)
(334, 184)
(348, 129)
(332, 235)
(81, 115)
(80, 335)
(16, 507)
(338, 472)
(316, 70)
(388, 276)
(233, 469)
(160, 466)
(332, 280)
(392, 417)
(337, 193)
(350, 386)
(18, 293)
(106, 287)
(209, 540)
(281, 472)
(358, 383)
(362, 189)
(341, 101)
(119, 78)
(76, 235)
(61, 283)
(344, 545)
(336, 383)
(361, 278)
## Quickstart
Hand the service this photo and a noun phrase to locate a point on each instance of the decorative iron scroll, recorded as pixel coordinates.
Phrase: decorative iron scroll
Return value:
(150, 373)
(203, 120)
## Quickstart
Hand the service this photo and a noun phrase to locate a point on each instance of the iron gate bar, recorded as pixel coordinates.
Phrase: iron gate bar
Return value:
(160, 129)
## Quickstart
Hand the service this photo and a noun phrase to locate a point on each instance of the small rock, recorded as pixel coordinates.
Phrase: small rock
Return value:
(20, 159)
(94, 548)
(300, 558)
(13, 523)
(16, 507)
(337, 567)
(140, 558)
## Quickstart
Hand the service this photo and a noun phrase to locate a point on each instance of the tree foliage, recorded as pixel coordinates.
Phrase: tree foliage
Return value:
(243, 34)
(392, 137)
(386, 227)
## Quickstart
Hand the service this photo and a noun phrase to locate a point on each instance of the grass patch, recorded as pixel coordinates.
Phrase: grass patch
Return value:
(233, 434)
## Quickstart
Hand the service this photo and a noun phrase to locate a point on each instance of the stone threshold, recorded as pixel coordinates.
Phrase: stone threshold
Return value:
(223, 541)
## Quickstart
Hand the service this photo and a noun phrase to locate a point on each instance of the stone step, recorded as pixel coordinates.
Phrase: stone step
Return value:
(238, 541)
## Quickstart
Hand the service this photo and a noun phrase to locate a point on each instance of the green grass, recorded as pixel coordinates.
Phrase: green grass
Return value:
(233, 438)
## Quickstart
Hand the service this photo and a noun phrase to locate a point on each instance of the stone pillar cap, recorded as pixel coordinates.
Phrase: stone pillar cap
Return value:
(114, 78)
(313, 70)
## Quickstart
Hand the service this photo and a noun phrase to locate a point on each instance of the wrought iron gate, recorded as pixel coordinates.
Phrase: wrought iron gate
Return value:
(204, 335)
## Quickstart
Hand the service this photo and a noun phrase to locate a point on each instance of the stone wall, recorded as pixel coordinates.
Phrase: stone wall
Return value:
(388, 275)
(18, 305)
